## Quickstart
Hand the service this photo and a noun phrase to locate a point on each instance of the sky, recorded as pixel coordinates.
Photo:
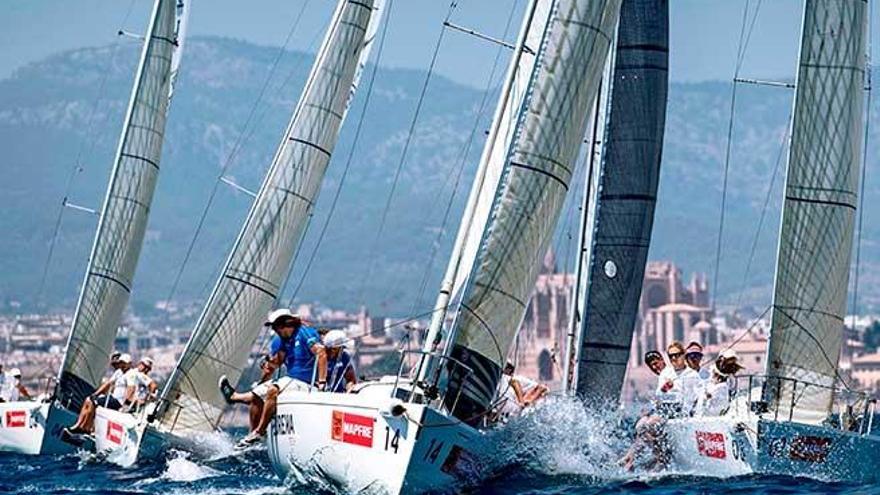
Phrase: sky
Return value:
(703, 39)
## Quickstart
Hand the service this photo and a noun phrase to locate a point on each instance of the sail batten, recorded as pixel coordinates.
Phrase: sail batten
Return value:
(818, 218)
(261, 255)
(122, 225)
(551, 124)
(627, 192)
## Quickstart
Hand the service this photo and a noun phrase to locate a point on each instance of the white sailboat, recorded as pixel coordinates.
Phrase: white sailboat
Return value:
(400, 434)
(117, 244)
(191, 405)
(800, 418)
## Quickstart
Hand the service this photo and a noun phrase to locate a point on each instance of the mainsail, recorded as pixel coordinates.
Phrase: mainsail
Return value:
(123, 220)
(812, 269)
(627, 191)
(550, 128)
(254, 272)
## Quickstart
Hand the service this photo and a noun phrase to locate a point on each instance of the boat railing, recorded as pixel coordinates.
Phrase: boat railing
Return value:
(429, 390)
(852, 410)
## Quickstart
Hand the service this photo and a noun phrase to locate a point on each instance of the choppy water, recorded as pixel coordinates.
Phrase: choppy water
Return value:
(558, 450)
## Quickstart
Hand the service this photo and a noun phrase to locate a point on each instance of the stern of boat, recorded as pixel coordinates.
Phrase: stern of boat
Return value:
(118, 436)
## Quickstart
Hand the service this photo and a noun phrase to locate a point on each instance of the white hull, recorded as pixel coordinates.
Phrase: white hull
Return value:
(729, 446)
(22, 425)
(354, 441)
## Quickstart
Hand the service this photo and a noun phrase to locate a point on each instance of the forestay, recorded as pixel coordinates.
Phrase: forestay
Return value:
(123, 220)
(624, 212)
(251, 279)
(525, 210)
(812, 270)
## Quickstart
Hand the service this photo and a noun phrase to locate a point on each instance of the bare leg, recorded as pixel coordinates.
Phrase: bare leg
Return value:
(268, 410)
(255, 412)
(245, 398)
(83, 414)
(88, 416)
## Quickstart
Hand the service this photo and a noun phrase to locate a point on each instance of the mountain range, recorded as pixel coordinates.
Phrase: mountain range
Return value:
(60, 117)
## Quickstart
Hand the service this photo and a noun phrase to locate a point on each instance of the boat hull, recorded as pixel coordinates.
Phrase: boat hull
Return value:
(354, 441)
(22, 425)
(57, 418)
(730, 446)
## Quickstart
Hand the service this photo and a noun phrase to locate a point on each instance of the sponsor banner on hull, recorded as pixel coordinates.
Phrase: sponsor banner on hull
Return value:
(352, 428)
(16, 419)
(114, 432)
(711, 444)
(809, 448)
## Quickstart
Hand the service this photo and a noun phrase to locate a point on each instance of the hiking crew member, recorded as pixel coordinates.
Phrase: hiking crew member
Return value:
(693, 356)
(140, 386)
(296, 346)
(341, 376)
(116, 386)
(518, 391)
(12, 390)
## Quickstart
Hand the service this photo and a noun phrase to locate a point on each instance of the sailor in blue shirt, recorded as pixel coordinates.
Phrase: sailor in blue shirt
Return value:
(296, 346)
(340, 370)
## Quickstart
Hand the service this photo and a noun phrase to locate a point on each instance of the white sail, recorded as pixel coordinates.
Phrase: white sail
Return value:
(123, 220)
(492, 160)
(260, 258)
(539, 167)
(812, 270)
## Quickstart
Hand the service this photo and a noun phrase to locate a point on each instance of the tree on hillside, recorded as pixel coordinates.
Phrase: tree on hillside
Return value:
(872, 336)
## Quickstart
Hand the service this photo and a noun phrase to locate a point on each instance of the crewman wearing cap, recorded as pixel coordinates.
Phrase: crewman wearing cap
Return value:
(299, 348)
(140, 386)
(341, 376)
(116, 386)
(13, 390)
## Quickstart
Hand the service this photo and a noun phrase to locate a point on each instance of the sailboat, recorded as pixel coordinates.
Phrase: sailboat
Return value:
(800, 417)
(428, 432)
(190, 405)
(117, 244)
(618, 210)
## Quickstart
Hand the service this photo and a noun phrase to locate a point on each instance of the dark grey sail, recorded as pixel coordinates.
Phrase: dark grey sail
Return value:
(627, 194)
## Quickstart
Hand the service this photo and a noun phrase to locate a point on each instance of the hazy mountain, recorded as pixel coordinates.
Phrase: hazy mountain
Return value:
(70, 105)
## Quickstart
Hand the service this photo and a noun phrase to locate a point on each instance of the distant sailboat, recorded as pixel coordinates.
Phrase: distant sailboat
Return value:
(250, 284)
(398, 435)
(800, 418)
(118, 240)
(619, 215)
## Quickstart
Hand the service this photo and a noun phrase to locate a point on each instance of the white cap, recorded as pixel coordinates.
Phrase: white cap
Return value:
(728, 354)
(335, 338)
(278, 313)
(15, 372)
(125, 358)
(148, 361)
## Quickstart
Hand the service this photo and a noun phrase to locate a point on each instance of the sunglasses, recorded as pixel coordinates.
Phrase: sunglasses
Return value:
(675, 355)
(694, 355)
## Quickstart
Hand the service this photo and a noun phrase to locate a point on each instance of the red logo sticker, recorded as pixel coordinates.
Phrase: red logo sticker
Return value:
(352, 428)
(809, 448)
(16, 419)
(711, 444)
(114, 432)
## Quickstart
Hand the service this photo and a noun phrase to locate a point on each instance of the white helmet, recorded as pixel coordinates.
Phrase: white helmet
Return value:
(15, 372)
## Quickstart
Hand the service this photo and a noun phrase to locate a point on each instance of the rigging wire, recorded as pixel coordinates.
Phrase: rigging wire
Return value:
(78, 167)
(744, 38)
(230, 158)
(462, 162)
(371, 257)
(348, 161)
(857, 266)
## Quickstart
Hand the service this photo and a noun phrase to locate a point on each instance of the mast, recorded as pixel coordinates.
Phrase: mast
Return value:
(550, 129)
(120, 232)
(818, 215)
(485, 183)
(623, 212)
(253, 275)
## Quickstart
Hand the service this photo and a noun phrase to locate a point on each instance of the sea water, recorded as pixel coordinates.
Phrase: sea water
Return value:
(559, 448)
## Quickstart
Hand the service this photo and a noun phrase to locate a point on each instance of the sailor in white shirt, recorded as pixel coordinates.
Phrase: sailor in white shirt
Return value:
(12, 390)
(518, 391)
(678, 386)
(693, 356)
(110, 394)
(140, 386)
(715, 398)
